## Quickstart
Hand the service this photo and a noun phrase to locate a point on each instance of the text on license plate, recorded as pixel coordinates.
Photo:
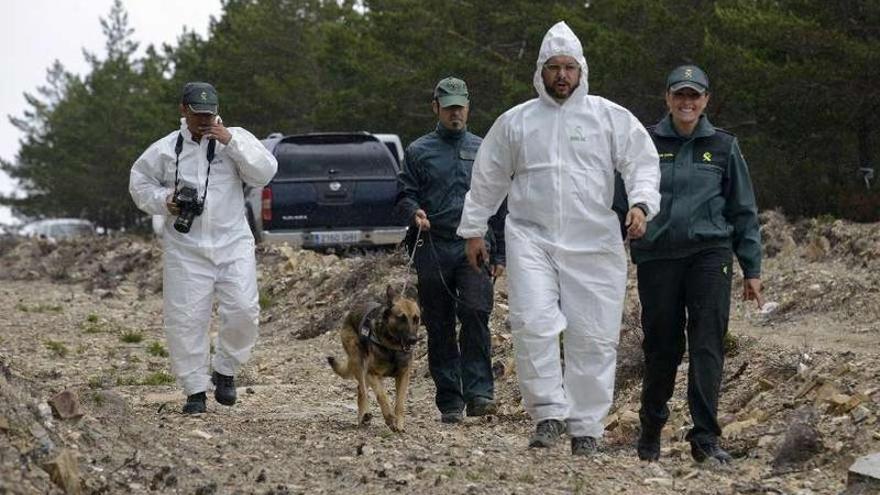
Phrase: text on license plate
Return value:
(328, 238)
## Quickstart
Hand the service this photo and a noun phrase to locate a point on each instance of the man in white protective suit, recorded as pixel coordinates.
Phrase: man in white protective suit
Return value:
(193, 176)
(556, 155)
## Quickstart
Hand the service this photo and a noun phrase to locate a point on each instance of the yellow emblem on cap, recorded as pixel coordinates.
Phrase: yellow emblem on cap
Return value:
(204, 96)
(707, 157)
(688, 73)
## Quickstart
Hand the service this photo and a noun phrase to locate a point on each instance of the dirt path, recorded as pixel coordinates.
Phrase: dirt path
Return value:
(88, 319)
(293, 430)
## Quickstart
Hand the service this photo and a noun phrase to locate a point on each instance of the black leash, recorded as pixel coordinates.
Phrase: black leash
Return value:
(412, 256)
(440, 271)
(450, 292)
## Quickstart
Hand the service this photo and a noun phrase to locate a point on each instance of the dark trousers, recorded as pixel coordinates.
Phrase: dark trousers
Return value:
(685, 304)
(448, 287)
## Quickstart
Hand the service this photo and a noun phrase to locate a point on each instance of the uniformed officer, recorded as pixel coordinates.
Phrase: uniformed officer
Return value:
(707, 213)
(432, 185)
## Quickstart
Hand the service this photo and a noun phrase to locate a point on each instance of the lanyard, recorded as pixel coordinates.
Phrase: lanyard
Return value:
(178, 147)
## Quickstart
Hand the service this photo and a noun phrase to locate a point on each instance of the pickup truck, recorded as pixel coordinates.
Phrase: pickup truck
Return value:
(331, 190)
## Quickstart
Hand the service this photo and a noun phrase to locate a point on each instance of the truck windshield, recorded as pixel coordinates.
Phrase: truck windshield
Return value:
(333, 160)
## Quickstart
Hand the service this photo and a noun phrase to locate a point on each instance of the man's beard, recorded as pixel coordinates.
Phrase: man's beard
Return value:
(551, 90)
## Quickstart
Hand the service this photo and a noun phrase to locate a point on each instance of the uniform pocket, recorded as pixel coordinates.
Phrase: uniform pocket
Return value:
(469, 155)
(705, 167)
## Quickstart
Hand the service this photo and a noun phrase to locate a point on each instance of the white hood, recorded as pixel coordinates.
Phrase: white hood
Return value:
(560, 40)
(556, 164)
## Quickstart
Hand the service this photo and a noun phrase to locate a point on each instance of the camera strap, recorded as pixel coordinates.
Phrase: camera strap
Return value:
(178, 148)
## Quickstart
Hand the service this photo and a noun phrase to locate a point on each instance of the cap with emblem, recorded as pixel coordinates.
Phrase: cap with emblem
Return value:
(450, 92)
(687, 76)
(200, 97)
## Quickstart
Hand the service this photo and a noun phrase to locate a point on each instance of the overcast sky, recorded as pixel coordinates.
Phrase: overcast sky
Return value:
(35, 33)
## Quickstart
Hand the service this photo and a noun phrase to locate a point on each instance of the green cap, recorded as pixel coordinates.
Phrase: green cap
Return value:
(450, 92)
(200, 97)
(687, 76)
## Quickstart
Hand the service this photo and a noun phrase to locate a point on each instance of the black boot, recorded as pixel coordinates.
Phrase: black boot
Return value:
(648, 445)
(585, 446)
(195, 404)
(481, 406)
(546, 433)
(224, 389)
(451, 417)
(702, 450)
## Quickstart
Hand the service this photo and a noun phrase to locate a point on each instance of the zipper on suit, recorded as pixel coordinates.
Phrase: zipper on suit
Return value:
(558, 179)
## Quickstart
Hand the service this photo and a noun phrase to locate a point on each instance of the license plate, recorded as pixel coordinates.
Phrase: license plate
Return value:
(331, 238)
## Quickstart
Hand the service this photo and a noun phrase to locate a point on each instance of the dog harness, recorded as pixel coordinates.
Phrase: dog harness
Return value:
(397, 357)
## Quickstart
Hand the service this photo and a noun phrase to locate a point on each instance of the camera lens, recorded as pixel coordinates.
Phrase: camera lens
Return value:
(188, 202)
(184, 222)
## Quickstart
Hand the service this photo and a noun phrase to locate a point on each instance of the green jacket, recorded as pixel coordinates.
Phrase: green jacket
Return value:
(436, 176)
(706, 198)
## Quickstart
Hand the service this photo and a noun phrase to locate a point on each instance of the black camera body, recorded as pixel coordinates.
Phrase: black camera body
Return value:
(187, 199)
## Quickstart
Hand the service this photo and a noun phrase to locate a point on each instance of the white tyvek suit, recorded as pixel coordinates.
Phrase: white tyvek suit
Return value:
(566, 265)
(216, 257)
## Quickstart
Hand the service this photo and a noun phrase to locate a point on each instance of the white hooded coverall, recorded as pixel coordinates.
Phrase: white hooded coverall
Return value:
(215, 257)
(566, 264)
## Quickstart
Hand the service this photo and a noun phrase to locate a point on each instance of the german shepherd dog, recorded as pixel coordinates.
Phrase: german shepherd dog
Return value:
(378, 342)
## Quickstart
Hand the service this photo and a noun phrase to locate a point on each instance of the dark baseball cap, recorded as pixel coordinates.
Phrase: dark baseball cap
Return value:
(450, 92)
(200, 97)
(687, 76)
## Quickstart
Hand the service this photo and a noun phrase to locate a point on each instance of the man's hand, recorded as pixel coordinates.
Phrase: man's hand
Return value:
(421, 220)
(171, 205)
(752, 291)
(635, 223)
(475, 250)
(496, 270)
(216, 130)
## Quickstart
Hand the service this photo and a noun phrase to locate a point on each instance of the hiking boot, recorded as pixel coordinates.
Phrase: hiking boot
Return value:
(224, 389)
(195, 404)
(701, 451)
(585, 446)
(451, 417)
(481, 406)
(648, 446)
(546, 433)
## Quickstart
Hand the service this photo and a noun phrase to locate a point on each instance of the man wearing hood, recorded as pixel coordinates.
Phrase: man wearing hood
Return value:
(432, 184)
(210, 250)
(556, 156)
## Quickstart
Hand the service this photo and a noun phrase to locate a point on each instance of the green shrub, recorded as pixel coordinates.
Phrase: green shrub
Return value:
(38, 308)
(265, 299)
(58, 348)
(157, 349)
(93, 324)
(96, 382)
(123, 381)
(158, 378)
(131, 337)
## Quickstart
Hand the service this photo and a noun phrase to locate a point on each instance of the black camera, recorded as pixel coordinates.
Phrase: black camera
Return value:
(187, 199)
